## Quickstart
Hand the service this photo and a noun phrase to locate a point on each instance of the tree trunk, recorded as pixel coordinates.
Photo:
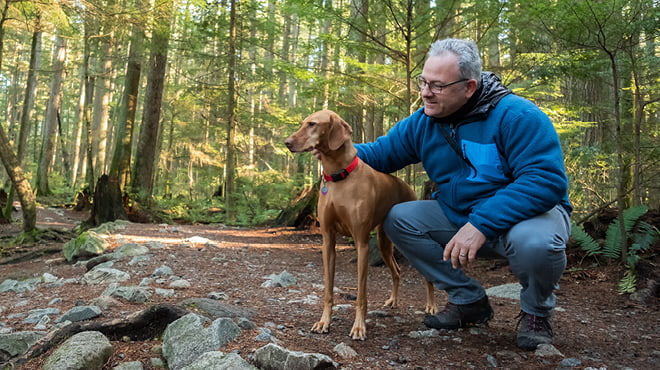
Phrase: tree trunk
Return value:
(21, 184)
(108, 203)
(102, 97)
(28, 106)
(121, 158)
(50, 123)
(145, 162)
(230, 179)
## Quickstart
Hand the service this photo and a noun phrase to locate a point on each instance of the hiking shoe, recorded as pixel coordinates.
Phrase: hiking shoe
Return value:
(456, 316)
(532, 331)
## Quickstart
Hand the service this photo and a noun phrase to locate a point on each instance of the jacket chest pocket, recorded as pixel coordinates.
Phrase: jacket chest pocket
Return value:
(486, 162)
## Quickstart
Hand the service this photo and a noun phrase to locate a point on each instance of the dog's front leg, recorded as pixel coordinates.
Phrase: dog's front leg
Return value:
(359, 330)
(329, 256)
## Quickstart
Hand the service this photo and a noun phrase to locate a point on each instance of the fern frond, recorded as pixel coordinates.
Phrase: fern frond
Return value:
(645, 235)
(631, 215)
(613, 237)
(628, 284)
(584, 240)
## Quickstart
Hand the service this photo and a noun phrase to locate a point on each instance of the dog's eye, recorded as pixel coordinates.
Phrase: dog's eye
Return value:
(311, 124)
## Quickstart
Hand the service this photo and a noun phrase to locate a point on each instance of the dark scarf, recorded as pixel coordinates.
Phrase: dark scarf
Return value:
(489, 93)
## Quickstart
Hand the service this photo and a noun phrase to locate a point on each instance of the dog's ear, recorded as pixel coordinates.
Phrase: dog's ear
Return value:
(340, 132)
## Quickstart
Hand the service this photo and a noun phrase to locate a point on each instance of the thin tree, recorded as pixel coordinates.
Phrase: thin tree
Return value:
(50, 124)
(145, 162)
(9, 159)
(28, 106)
(120, 165)
(230, 180)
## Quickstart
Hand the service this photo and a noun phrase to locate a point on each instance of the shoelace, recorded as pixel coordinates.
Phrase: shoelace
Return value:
(534, 323)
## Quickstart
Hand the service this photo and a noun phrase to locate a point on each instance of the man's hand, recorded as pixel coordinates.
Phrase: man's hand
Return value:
(463, 247)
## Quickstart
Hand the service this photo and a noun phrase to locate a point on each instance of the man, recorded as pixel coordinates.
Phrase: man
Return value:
(502, 188)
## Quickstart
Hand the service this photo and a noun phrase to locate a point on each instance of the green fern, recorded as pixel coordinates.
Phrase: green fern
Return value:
(628, 284)
(588, 244)
(612, 245)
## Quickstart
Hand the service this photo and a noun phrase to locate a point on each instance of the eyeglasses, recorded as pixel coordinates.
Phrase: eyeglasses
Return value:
(435, 87)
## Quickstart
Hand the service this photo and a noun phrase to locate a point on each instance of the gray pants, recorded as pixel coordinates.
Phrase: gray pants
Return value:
(535, 248)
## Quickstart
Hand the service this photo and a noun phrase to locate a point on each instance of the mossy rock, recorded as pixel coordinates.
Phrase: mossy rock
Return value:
(88, 244)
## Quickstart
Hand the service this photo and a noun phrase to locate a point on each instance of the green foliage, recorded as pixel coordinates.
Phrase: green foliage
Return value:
(612, 245)
(641, 234)
(629, 282)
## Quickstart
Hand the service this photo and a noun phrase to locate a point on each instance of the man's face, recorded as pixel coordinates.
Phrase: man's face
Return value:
(442, 70)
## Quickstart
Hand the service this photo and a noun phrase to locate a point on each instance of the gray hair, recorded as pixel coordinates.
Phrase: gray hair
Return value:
(469, 60)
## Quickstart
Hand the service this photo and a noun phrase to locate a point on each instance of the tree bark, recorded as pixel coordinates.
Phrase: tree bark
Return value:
(120, 166)
(50, 124)
(230, 165)
(20, 182)
(145, 162)
(28, 106)
(108, 203)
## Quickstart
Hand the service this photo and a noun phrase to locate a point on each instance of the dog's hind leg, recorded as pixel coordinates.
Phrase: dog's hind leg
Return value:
(431, 307)
(386, 249)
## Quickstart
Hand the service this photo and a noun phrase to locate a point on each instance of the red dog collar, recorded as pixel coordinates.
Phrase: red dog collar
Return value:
(341, 174)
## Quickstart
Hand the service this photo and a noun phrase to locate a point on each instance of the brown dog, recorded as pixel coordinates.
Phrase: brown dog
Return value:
(353, 201)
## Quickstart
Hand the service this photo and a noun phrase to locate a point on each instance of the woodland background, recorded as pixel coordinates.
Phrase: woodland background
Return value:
(187, 102)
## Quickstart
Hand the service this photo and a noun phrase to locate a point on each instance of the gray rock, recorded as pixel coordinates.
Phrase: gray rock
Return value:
(34, 316)
(86, 350)
(284, 279)
(165, 292)
(218, 296)
(14, 344)
(547, 350)
(217, 360)
(571, 362)
(217, 308)
(180, 284)
(104, 275)
(22, 286)
(104, 302)
(80, 313)
(511, 291)
(163, 270)
(140, 260)
(274, 357)
(88, 244)
(344, 350)
(186, 339)
(157, 362)
(130, 250)
(133, 294)
(133, 365)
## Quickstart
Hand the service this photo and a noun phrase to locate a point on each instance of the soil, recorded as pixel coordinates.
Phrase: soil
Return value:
(594, 324)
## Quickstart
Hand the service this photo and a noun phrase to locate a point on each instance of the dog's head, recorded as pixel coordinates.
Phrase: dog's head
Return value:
(323, 130)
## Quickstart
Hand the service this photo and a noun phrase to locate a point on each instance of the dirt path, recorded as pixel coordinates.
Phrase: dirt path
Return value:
(594, 326)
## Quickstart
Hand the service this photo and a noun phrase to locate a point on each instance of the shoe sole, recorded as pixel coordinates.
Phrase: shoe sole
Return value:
(483, 320)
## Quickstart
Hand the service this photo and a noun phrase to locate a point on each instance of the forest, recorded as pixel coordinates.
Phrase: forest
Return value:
(185, 104)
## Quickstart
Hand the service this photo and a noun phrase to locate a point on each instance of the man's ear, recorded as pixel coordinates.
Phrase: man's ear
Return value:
(340, 132)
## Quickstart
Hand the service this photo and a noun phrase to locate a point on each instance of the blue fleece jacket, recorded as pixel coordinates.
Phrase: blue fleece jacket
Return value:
(515, 168)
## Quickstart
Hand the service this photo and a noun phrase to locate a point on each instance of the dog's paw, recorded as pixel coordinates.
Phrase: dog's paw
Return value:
(358, 332)
(431, 309)
(392, 302)
(320, 327)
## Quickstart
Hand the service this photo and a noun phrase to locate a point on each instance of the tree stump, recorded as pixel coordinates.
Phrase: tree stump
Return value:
(108, 203)
(301, 214)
